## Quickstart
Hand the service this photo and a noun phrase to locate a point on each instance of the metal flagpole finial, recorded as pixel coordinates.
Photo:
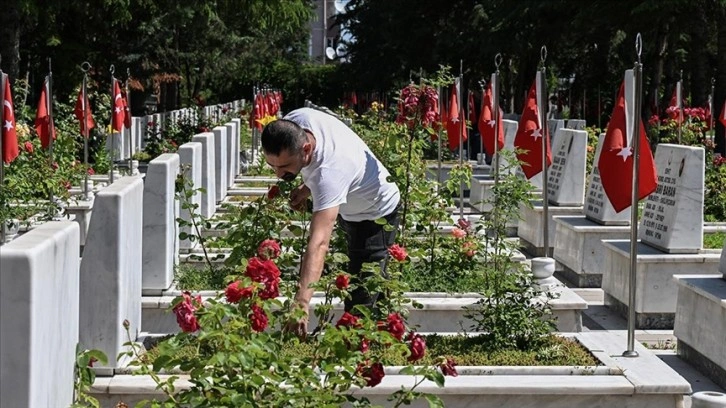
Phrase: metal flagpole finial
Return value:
(543, 55)
(85, 67)
(638, 46)
(49, 66)
(112, 69)
(498, 61)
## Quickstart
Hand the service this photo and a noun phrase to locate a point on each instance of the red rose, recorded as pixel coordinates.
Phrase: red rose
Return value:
(463, 224)
(271, 290)
(184, 312)
(397, 252)
(28, 147)
(364, 346)
(347, 320)
(395, 326)
(342, 281)
(268, 249)
(449, 368)
(417, 346)
(54, 165)
(273, 192)
(235, 293)
(258, 319)
(67, 185)
(91, 171)
(372, 373)
(264, 271)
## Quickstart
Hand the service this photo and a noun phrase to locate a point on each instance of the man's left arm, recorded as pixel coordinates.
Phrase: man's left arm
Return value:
(321, 229)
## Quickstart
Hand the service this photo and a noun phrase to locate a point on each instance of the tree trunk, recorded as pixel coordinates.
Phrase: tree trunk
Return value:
(10, 43)
(653, 101)
(700, 78)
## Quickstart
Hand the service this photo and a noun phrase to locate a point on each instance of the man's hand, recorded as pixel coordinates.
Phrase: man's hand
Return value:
(299, 327)
(298, 197)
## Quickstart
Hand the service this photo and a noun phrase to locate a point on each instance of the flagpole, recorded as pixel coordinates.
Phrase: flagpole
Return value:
(438, 141)
(495, 115)
(635, 134)
(710, 108)
(542, 101)
(112, 150)
(679, 102)
(85, 67)
(462, 124)
(49, 109)
(128, 112)
(3, 78)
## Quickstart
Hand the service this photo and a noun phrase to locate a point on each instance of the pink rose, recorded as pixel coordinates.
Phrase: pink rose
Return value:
(458, 233)
(397, 252)
(28, 147)
(268, 249)
(184, 312)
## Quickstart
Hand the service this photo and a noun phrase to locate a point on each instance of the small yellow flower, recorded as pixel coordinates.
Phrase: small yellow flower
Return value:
(23, 130)
(375, 106)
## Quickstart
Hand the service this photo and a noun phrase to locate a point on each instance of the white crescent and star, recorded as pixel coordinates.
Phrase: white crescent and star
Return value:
(8, 125)
(625, 152)
(536, 133)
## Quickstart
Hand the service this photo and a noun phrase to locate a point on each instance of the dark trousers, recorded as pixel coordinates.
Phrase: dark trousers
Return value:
(367, 242)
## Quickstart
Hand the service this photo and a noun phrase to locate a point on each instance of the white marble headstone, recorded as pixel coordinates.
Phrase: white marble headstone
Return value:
(552, 126)
(115, 146)
(597, 205)
(672, 219)
(39, 306)
(208, 173)
(722, 263)
(510, 131)
(136, 134)
(566, 175)
(577, 124)
(111, 269)
(231, 148)
(190, 155)
(238, 143)
(220, 163)
(160, 226)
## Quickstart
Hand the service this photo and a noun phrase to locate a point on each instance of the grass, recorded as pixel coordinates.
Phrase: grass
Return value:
(466, 351)
(714, 240)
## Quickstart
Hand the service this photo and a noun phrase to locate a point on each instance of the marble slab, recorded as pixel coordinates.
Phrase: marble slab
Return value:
(597, 205)
(209, 177)
(190, 157)
(111, 268)
(136, 134)
(672, 219)
(578, 248)
(81, 210)
(656, 291)
(644, 382)
(553, 125)
(116, 146)
(531, 225)
(700, 322)
(566, 174)
(722, 263)
(220, 163)
(39, 306)
(160, 226)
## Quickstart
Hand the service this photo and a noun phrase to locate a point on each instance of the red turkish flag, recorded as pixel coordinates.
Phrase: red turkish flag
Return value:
(9, 137)
(258, 112)
(455, 129)
(722, 116)
(486, 122)
(118, 116)
(529, 137)
(43, 123)
(127, 110)
(616, 160)
(83, 111)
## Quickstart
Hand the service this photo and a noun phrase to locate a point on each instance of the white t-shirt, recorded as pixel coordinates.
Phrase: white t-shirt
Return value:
(343, 170)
